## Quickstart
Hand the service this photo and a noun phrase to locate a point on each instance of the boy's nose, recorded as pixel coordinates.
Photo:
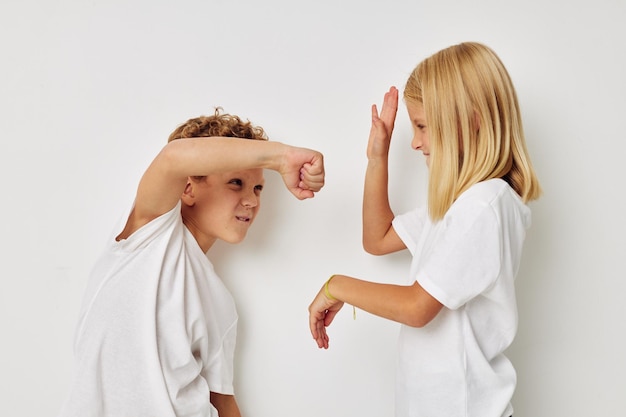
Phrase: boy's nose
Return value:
(250, 200)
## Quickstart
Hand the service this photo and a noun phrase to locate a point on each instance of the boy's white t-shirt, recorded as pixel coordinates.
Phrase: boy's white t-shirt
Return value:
(455, 365)
(157, 329)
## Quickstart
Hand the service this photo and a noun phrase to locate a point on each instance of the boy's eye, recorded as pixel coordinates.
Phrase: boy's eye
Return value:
(259, 188)
(236, 181)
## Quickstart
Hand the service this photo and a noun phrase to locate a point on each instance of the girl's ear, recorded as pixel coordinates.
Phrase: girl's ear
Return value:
(188, 196)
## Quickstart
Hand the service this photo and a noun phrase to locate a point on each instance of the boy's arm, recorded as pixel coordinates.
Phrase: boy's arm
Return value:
(379, 237)
(226, 405)
(164, 181)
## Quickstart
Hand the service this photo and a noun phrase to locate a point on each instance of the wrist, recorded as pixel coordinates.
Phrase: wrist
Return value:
(377, 163)
(330, 297)
(277, 156)
(327, 291)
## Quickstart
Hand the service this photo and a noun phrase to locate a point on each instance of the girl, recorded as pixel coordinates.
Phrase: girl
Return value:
(458, 310)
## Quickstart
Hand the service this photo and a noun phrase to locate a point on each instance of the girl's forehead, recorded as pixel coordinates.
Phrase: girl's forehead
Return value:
(415, 110)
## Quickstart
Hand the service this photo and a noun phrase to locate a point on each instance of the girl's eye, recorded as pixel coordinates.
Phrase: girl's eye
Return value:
(421, 127)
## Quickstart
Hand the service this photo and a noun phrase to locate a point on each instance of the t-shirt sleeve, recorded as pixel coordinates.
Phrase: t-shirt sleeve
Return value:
(219, 372)
(465, 257)
(409, 227)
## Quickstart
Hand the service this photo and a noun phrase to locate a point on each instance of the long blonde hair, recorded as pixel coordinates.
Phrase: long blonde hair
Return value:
(474, 124)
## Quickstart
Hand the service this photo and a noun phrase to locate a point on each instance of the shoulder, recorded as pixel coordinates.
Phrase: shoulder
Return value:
(491, 192)
(493, 198)
(148, 229)
(486, 191)
(476, 200)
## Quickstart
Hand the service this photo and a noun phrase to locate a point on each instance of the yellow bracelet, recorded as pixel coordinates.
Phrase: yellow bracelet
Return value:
(330, 297)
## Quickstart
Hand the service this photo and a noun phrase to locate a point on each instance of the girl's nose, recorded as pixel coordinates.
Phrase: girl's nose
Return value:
(416, 142)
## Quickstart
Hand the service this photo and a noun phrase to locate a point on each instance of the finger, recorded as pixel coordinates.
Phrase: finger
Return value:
(329, 317)
(314, 169)
(301, 192)
(318, 331)
(390, 102)
(322, 340)
(307, 190)
(374, 113)
(313, 327)
(311, 177)
(316, 321)
(390, 107)
(314, 183)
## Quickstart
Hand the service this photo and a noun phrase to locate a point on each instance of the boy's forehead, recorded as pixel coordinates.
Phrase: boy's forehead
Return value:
(255, 174)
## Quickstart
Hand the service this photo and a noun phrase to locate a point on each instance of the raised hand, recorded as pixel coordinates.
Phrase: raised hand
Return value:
(382, 125)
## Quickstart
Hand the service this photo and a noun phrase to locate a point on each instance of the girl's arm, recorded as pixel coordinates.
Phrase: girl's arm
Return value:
(164, 181)
(410, 305)
(379, 237)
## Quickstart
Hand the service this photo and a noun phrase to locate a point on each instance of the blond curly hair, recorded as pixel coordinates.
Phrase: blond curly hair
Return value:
(219, 124)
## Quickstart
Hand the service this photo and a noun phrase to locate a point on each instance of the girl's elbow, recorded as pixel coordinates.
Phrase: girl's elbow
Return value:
(416, 321)
(419, 315)
(374, 247)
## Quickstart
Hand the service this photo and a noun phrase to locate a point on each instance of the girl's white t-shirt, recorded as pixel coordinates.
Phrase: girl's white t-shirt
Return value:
(157, 329)
(468, 261)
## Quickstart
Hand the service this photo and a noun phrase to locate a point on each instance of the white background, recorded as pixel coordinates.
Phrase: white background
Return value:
(90, 90)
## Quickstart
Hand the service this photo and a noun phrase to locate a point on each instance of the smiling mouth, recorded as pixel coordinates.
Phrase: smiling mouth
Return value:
(243, 218)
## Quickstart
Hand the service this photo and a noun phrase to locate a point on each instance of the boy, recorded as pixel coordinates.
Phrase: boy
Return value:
(157, 327)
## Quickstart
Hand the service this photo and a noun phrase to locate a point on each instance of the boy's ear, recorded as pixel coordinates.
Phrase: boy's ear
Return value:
(188, 196)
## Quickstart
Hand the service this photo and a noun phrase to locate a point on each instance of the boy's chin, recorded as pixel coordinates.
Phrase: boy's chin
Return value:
(234, 239)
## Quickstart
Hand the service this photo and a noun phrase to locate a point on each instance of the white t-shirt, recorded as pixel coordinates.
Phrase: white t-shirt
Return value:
(157, 329)
(455, 365)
